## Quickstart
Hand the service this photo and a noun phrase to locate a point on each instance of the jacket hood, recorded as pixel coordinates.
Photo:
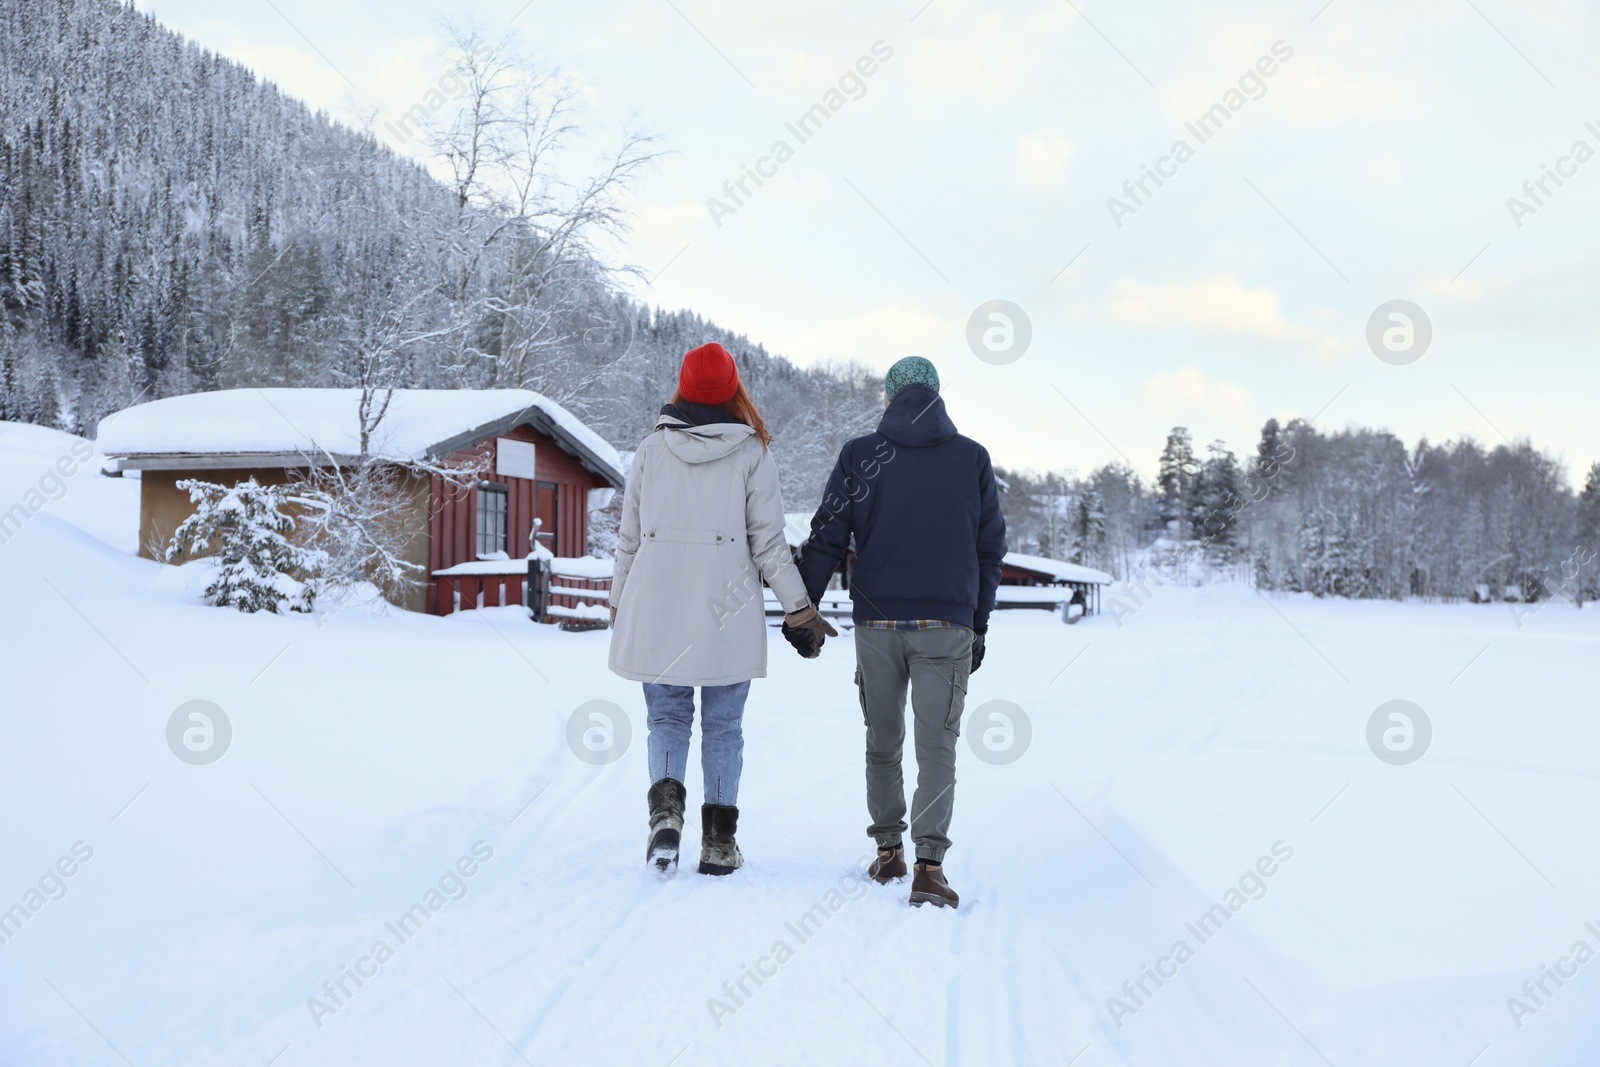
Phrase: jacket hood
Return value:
(692, 414)
(916, 418)
(704, 442)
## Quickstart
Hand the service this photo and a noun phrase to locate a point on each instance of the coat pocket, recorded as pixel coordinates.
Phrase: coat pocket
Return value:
(958, 698)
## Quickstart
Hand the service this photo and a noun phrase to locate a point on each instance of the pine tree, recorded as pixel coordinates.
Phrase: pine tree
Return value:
(1589, 506)
(1264, 577)
(1088, 528)
(13, 404)
(44, 398)
(1176, 478)
(259, 567)
(1587, 558)
(1216, 501)
(1271, 451)
(1312, 574)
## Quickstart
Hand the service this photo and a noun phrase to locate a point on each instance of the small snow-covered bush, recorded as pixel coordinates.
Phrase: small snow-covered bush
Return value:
(604, 524)
(245, 528)
(361, 519)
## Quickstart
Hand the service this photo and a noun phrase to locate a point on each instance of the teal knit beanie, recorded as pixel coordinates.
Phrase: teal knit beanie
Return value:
(913, 370)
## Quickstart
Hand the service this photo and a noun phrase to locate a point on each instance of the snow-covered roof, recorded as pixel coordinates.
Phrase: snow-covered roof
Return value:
(1059, 569)
(272, 427)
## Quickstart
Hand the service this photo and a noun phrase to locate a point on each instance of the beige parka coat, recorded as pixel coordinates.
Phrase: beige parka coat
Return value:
(702, 527)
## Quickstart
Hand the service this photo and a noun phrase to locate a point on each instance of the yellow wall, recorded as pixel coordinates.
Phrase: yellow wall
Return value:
(163, 507)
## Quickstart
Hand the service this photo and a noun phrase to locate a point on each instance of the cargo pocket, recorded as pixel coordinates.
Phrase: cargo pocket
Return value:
(958, 698)
(861, 695)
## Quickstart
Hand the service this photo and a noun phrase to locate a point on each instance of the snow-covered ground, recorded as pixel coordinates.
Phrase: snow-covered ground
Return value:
(1213, 737)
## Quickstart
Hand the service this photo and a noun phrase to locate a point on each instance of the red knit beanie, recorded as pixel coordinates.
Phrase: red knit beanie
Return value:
(708, 375)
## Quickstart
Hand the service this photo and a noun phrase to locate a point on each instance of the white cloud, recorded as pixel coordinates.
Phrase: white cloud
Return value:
(1042, 158)
(1384, 172)
(979, 53)
(875, 337)
(1306, 88)
(1313, 91)
(1465, 289)
(671, 221)
(1187, 396)
(1218, 305)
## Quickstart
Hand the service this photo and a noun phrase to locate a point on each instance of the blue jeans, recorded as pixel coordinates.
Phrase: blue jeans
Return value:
(670, 713)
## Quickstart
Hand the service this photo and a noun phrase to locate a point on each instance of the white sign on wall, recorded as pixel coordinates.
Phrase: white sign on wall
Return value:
(513, 459)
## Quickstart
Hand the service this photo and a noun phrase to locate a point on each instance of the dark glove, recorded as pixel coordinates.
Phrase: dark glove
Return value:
(806, 630)
(804, 641)
(977, 652)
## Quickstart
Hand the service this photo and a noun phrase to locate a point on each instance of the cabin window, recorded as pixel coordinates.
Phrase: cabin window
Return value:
(491, 520)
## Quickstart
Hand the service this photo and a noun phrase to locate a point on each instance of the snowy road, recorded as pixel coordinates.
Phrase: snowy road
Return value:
(1199, 775)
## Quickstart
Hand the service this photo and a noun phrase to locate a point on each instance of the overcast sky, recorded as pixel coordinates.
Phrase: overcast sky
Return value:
(1362, 152)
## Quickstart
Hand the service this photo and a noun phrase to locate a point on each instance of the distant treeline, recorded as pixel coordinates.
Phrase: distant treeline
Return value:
(1353, 513)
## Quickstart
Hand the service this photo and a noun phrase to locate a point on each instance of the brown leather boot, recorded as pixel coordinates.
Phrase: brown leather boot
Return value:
(929, 887)
(889, 866)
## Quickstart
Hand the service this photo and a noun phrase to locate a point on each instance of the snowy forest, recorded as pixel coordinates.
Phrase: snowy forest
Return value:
(1353, 513)
(170, 224)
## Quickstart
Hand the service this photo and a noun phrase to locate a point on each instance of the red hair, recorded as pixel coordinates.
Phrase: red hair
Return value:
(743, 409)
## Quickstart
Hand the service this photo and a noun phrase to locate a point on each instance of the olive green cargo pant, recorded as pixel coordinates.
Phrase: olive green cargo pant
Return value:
(934, 664)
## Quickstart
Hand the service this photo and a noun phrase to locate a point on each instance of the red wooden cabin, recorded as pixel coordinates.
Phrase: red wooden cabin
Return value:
(539, 462)
(479, 538)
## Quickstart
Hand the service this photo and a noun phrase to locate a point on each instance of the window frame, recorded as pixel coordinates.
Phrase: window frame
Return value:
(486, 492)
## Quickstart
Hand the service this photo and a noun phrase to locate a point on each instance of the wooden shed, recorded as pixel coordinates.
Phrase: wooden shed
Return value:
(1040, 582)
(541, 465)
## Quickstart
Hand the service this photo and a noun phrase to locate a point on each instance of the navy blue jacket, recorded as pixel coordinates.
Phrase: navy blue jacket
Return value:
(922, 504)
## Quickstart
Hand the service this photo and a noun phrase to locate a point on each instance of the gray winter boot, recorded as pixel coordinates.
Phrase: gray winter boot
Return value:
(719, 852)
(666, 824)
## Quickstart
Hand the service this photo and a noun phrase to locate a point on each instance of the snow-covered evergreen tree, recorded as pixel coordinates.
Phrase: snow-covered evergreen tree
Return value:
(1261, 569)
(1587, 557)
(259, 567)
(13, 400)
(1089, 528)
(1176, 479)
(1216, 502)
(44, 397)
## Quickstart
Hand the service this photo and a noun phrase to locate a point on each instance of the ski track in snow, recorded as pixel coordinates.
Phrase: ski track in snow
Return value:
(372, 751)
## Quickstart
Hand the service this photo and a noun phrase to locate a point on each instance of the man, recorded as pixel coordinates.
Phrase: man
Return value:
(920, 501)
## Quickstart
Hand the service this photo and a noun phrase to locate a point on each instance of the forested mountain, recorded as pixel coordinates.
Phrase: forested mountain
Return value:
(170, 223)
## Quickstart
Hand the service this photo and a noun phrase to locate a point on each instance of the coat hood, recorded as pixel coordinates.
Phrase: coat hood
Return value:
(916, 418)
(704, 443)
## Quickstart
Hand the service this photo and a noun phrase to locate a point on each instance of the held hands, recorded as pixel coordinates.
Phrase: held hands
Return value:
(806, 630)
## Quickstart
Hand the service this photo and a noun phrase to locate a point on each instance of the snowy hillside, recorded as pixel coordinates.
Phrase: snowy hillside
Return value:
(170, 223)
(1200, 774)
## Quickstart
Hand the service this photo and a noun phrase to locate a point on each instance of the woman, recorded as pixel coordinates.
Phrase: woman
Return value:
(702, 528)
